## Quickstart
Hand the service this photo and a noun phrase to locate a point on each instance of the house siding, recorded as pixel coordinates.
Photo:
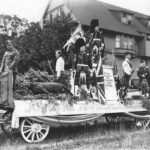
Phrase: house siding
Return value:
(147, 49)
(109, 39)
(141, 47)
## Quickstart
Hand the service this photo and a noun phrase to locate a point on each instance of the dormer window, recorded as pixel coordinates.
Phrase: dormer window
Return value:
(126, 18)
(129, 18)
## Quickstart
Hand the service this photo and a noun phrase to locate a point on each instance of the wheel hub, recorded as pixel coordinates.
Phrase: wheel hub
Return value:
(36, 127)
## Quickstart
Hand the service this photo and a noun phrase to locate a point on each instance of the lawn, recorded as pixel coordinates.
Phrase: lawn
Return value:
(100, 136)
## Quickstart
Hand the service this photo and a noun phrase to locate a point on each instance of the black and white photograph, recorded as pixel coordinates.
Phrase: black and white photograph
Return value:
(74, 74)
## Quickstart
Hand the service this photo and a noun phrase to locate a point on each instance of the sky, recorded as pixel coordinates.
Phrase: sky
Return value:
(34, 9)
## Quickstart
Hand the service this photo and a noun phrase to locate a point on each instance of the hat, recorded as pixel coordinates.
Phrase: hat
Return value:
(79, 43)
(127, 53)
(94, 23)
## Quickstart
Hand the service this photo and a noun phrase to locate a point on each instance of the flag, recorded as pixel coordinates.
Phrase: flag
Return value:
(76, 34)
(78, 30)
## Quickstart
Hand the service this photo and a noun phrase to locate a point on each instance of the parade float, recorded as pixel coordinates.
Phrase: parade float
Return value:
(86, 98)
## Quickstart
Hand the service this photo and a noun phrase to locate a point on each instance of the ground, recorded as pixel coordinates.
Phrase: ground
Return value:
(100, 136)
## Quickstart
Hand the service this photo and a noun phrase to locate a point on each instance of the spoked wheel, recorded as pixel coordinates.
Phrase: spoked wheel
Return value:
(142, 123)
(33, 131)
(112, 118)
(6, 126)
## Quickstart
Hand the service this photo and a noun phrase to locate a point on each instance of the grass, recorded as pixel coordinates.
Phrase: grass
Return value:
(101, 136)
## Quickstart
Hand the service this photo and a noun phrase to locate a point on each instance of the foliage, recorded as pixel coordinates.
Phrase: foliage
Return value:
(37, 45)
(10, 23)
(3, 38)
(23, 81)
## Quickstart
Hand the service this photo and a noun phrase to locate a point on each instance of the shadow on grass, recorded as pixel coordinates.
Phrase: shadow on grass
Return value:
(77, 134)
(71, 132)
(10, 140)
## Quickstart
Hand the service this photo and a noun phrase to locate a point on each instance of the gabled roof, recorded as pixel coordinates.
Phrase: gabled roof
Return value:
(86, 10)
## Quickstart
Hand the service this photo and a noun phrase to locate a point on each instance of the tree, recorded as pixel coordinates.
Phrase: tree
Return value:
(3, 38)
(10, 29)
(37, 45)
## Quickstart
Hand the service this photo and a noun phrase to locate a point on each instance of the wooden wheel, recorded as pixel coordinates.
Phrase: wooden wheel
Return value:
(112, 119)
(143, 123)
(33, 131)
(6, 126)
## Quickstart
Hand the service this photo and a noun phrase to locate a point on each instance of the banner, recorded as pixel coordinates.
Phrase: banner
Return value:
(109, 84)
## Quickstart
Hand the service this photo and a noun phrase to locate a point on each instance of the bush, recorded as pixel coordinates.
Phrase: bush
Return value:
(23, 81)
(37, 45)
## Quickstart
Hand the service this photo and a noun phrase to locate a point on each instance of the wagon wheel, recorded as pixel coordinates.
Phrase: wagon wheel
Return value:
(112, 119)
(142, 123)
(33, 131)
(6, 126)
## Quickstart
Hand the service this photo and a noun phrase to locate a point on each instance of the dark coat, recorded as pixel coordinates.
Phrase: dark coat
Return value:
(143, 72)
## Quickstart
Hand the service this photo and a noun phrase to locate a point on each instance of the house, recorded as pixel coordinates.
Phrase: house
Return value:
(124, 30)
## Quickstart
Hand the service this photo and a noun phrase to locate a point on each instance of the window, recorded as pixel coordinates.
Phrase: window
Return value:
(130, 43)
(124, 42)
(129, 18)
(126, 18)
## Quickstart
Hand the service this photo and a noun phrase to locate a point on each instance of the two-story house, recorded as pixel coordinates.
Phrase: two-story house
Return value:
(124, 30)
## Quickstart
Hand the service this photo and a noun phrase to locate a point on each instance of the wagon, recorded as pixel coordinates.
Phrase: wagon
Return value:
(34, 118)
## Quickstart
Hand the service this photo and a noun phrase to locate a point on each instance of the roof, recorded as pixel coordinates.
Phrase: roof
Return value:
(86, 10)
